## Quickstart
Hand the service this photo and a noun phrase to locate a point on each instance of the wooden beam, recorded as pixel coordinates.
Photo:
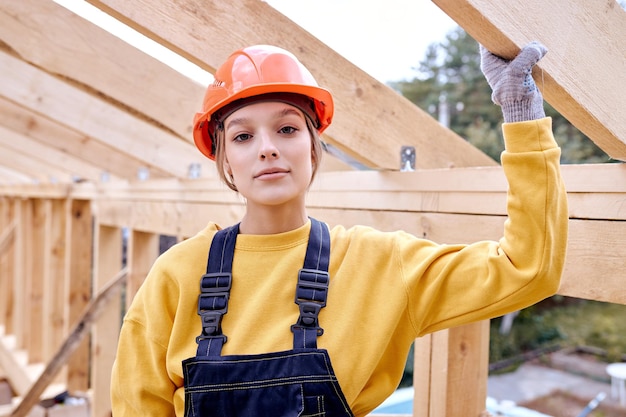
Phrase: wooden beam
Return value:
(54, 273)
(37, 170)
(444, 228)
(64, 140)
(95, 117)
(35, 280)
(372, 121)
(143, 249)
(43, 190)
(107, 259)
(63, 43)
(10, 176)
(78, 289)
(22, 269)
(9, 224)
(584, 73)
(49, 158)
(6, 237)
(596, 256)
(445, 364)
(15, 363)
(594, 191)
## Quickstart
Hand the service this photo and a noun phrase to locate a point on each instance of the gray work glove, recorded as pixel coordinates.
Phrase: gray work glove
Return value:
(512, 84)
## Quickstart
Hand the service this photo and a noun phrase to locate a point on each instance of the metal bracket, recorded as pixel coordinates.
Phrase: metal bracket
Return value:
(407, 159)
(194, 171)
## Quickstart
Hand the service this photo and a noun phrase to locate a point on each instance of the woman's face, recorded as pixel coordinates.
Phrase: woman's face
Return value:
(267, 151)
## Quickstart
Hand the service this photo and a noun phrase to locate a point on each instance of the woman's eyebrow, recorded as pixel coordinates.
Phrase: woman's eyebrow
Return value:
(237, 121)
(287, 112)
(277, 115)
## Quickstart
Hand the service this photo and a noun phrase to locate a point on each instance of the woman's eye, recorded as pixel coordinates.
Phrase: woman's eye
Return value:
(288, 130)
(242, 137)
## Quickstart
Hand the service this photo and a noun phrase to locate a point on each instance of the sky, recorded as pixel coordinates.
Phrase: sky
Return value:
(386, 39)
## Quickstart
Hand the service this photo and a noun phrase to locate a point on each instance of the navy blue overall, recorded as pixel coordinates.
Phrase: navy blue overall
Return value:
(298, 382)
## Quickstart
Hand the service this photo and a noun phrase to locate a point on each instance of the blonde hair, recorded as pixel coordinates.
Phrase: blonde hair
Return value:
(317, 151)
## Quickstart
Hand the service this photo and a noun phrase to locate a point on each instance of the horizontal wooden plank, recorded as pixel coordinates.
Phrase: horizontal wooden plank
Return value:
(372, 121)
(458, 190)
(584, 73)
(595, 262)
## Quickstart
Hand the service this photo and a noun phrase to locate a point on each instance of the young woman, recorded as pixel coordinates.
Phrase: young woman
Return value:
(224, 337)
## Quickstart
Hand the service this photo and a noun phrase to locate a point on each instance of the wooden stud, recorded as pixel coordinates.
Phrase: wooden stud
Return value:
(78, 258)
(143, 249)
(54, 273)
(107, 260)
(21, 272)
(35, 281)
(7, 259)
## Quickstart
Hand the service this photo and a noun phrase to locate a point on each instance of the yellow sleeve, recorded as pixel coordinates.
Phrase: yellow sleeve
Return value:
(140, 384)
(488, 279)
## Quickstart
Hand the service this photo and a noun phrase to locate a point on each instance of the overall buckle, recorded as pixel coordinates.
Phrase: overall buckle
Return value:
(311, 293)
(213, 303)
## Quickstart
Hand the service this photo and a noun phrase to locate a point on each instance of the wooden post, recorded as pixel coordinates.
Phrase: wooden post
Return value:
(21, 272)
(78, 286)
(143, 249)
(35, 279)
(7, 238)
(107, 260)
(450, 372)
(54, 301)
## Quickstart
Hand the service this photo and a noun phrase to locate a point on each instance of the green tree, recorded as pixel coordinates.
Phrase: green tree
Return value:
(451, 87)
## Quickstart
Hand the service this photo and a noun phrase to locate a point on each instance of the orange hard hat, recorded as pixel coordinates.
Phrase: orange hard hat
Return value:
(260, 72)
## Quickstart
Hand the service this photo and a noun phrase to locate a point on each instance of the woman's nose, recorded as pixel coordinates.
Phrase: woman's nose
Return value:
(267, 147)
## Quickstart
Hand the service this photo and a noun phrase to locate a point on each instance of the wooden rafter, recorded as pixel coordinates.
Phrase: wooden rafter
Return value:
(59, 138)
(48, 158)
(26, 164)
(585, 68)
(63, 43)
(158, 149)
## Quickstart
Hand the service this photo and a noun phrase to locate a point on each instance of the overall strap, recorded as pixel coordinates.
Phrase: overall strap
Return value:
(215, 290)
(312, 287)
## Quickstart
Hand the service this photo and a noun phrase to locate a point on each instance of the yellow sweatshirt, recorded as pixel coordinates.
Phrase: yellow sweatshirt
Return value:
(386, 289)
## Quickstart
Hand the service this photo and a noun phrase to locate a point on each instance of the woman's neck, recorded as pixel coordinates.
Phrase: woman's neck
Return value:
(272, 220)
